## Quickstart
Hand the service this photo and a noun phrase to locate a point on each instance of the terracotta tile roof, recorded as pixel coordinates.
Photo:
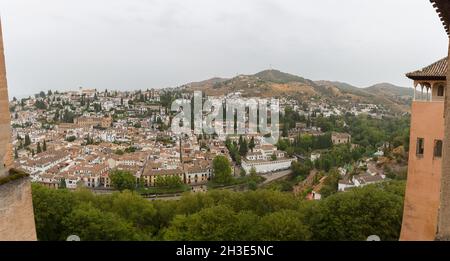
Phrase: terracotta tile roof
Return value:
(437, 70)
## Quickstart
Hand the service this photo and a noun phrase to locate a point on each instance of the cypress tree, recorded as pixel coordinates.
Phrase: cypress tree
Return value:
(39, 150)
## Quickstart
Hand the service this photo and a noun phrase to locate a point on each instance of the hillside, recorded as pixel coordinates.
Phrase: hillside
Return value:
(390, 90)
(395, 97)
(276, 76)
(274, 83)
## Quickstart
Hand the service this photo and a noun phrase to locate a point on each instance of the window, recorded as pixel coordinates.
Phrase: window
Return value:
(438, 148)
(420, 146)
(440, 91)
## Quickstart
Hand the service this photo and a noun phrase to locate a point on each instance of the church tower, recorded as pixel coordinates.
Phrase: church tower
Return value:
(16, 207)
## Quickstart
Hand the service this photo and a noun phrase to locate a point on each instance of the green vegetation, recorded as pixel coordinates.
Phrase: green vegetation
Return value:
(371, 132)
(220, 215)
(330, 186)
(119, 152)
(123, 152)
(27, 140)
(391, 134)
(374, 209)
(122, 180)
(234, 149)
(368, 132)
(222, 170)
(40, 104)
(68, 116)
(14, 174)
(170, 191)
(71, 138)
(283, 185)
(301, 169)
(172, 182)
(306, 143)
(240, 183)
(338, 156)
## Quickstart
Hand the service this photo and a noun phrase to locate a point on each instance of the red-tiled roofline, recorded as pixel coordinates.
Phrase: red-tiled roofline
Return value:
(434, 71)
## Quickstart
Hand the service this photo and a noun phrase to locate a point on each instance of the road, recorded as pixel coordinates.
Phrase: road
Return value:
(275, 176)
(164, 198)
(270, 177)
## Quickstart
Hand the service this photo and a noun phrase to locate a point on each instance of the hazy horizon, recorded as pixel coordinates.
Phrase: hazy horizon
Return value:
(137, 44)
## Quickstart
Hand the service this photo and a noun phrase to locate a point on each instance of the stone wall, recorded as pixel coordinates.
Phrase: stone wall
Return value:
(16, 206)
(16, 211)
(6, 158)
(444, 209)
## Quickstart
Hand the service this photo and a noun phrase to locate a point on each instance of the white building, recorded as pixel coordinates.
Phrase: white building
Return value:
(360, 181)
(267, 166)
(314, 157)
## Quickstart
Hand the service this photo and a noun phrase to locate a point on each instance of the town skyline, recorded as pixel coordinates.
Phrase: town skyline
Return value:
(125, 50)
(187, 84)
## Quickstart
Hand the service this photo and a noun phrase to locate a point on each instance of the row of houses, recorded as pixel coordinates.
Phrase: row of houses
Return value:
(98, 176)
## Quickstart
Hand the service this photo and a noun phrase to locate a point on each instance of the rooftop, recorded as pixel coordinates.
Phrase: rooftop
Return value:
(443, 10)
(435, 71)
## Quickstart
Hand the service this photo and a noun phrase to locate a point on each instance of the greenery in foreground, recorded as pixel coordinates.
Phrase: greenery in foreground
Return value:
(13, 175)
(220, 215)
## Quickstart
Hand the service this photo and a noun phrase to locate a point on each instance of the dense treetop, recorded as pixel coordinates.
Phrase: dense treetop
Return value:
(220, 215)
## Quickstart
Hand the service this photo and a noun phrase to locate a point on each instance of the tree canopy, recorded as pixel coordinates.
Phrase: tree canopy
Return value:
(122, 180)
(220, 215)
(222, 170)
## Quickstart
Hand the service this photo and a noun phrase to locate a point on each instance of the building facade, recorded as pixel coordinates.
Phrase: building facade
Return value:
(427, 201)
(340, 138)
(422, 198)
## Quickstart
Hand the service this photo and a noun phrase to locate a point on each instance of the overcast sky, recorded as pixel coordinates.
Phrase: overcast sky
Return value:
(140, 44)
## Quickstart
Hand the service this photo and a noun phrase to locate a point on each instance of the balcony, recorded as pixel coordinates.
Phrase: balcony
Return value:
(429, 91)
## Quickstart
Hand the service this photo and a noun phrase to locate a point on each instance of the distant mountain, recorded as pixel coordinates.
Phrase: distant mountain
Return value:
(276, 76)
(390, 90)
(211, 82)
(267, 83)
(395, 97)
(345, 87)
(274, 83)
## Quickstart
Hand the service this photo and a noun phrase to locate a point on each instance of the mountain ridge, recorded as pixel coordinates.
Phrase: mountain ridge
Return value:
(275, 83)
